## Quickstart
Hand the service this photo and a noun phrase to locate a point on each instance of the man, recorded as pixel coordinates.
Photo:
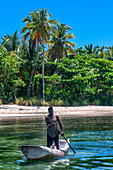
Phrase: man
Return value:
(52, 128)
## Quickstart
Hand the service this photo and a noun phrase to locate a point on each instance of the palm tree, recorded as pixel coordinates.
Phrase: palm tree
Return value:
(27, 52)
(45, 25)
(38, 27)
(32, 33)
(11, 43)
(99, 51)
(80, 50)
(109, 53)
(60, 44)
(89, 48)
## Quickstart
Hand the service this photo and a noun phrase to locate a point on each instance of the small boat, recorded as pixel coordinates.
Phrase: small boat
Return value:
(35, 152)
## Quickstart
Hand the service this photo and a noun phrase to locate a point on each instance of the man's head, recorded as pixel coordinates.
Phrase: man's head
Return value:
(50, 110)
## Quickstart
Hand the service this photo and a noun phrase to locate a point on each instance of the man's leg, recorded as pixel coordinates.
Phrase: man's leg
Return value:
(56, 140)
(49, 141)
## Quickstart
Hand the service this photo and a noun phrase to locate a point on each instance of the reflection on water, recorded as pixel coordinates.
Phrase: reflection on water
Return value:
(91, 137)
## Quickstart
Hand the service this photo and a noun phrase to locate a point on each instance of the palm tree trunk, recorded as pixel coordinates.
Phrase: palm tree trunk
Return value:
(28, 95)
(58, 54)
(43, 75)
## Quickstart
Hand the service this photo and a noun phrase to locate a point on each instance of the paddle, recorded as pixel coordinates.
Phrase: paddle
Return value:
(68, 143)
(66, 140)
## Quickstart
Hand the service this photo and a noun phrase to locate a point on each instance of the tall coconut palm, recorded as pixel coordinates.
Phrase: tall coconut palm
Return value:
(45, 25)
(60, 44)
(38, 27)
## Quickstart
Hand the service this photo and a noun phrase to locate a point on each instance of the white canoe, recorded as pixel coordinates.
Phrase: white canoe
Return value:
(35, 152)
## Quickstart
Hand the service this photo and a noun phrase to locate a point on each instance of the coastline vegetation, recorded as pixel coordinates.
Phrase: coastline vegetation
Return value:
(41, 66)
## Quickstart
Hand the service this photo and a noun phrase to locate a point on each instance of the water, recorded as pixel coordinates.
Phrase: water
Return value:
(91, 138)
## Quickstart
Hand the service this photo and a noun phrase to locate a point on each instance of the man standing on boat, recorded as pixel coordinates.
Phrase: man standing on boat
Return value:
(52, 128)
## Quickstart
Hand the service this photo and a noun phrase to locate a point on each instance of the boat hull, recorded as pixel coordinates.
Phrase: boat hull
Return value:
(35, 152)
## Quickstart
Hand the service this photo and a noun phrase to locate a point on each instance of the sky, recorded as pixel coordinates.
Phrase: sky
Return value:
(91, 20)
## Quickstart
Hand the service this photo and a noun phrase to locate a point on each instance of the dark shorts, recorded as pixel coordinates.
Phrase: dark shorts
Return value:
(50, 141)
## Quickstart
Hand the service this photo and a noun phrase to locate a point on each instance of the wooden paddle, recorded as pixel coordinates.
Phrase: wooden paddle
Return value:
(68, 142)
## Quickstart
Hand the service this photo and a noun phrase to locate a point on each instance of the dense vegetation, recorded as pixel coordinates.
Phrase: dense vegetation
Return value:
(42, 66)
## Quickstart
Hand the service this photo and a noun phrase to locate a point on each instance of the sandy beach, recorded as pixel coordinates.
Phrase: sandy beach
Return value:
(81, 111)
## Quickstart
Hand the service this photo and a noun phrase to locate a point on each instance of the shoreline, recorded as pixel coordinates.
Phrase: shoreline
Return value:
(78, 111)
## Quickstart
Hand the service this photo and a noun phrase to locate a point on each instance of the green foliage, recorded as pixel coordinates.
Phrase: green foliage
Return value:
(81, 81)
(10, 82)
(72, 76)
(28, 102)
(20, 101)
(57, 102)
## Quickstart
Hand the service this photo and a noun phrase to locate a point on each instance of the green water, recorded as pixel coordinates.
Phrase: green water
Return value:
(91, 137)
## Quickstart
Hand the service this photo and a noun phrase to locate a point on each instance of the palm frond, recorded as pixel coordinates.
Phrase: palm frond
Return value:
(23, 30)
(70, 48)
(27, 19)
(53, 21)
(25, 36)
(69, 36)
(55, 32)
(70, 44)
